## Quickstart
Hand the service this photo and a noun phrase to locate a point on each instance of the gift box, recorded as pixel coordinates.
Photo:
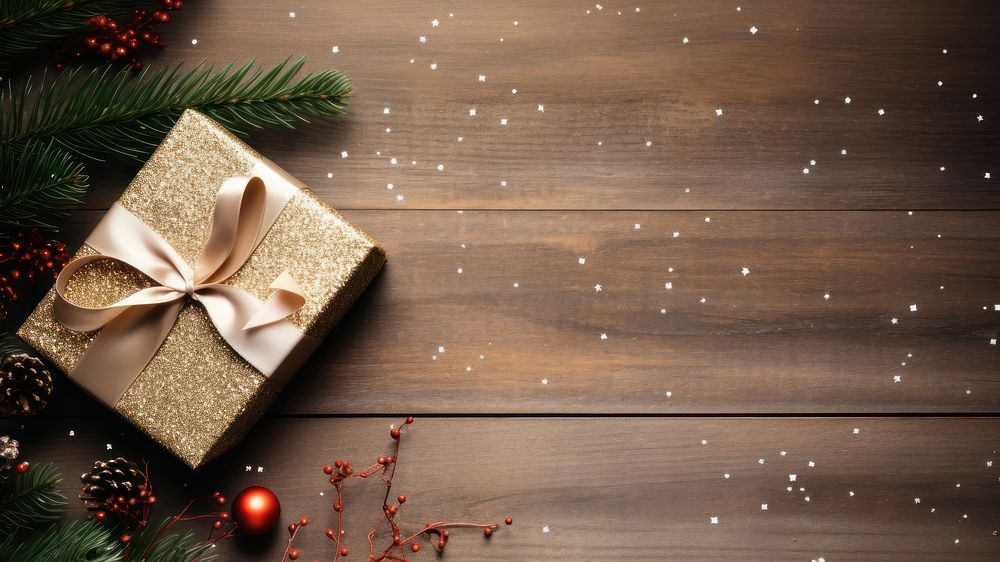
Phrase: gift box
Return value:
(203, 289)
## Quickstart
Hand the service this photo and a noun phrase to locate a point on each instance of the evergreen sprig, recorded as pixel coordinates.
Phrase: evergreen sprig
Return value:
(27, 26)
(155, 544)
(39, 182)
(100, 112)
(30, 501)
(80, 541)
(30, 510)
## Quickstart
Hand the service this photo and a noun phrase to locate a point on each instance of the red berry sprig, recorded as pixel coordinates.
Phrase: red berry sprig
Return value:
(112, 41)
(26, 257)
(385, 467)
(222, 526)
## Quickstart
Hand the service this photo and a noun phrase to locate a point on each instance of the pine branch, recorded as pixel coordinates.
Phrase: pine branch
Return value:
(80, 541)
(31, 500)
(29, 25)
(152, 544)
(11, 343)
(38, 184)
(105, 111)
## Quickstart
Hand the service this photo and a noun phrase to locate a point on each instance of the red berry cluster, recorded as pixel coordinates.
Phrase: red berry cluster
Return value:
(112, 41)
(219, 519)
(130, 509)
(385, 467)
(26, 257)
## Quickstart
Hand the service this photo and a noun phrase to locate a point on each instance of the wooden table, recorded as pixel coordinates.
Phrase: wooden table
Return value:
(687, 280)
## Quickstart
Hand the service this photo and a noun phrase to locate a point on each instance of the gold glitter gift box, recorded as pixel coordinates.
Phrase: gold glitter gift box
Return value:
(197, 396)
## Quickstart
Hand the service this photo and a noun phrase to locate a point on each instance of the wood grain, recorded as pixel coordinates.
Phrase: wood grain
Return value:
(768, 341)
(623, 80)
(611, 489)
(614, 125)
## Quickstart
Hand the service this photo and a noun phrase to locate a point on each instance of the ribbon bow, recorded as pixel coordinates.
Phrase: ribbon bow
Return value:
(133, 328)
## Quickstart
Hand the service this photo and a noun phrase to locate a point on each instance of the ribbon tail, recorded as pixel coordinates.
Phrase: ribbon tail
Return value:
(283, 302)
(122, 349)
(278, 348)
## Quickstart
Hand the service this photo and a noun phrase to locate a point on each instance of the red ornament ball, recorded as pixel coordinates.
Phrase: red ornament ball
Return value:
(256, 510)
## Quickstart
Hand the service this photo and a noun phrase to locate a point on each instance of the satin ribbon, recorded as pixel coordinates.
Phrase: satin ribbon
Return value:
(132, 329)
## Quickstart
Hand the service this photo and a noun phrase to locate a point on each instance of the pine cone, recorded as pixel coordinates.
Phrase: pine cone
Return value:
(111, 484)
(25, 384)
(8, 456)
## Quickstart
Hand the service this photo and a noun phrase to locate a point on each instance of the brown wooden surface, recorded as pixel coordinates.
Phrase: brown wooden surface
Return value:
(768, 341)
(612, 489)
(579, 177)
(625, 79)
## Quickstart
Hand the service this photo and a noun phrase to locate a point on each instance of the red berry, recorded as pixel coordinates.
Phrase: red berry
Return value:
(441, 543)
(392, 510)
(23, 467)
(221, 500)
(401, 499)
(415, 547)
(105, 48)
(303, 522)
(381, 460)
(344, 551)
(338, 463)
(292, 527)
(487, 532)
(327, 470)
(394, 433)
(126, 537)
(396, 540)
(100, 516)
(337, 507)
(329, 534)
(217, 524)
(508, 521)
(293, 554)
(409, 419)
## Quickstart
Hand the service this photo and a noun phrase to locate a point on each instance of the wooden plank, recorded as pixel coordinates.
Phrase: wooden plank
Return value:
(429, 339)
(609, 489)
(623, 80)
